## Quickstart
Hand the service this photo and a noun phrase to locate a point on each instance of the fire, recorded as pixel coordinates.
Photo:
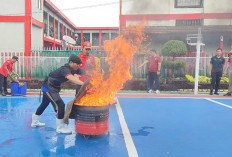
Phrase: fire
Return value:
(120, 52)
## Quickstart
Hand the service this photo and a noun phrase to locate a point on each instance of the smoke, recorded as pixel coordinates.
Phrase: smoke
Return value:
(144, 6)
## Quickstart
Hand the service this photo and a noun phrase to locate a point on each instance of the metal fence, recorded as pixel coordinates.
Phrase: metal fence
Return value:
(41, 63)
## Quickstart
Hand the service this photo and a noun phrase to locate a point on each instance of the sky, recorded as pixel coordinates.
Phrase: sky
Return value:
(90, 13)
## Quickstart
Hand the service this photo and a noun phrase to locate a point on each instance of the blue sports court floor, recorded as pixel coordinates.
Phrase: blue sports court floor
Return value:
(139, 126)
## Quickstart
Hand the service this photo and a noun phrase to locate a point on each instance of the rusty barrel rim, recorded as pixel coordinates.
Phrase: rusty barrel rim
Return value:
(92, 113)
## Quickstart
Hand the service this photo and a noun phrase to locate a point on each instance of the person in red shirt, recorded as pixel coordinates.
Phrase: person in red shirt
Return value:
(88, 62)
(153, 70)
(6, 68)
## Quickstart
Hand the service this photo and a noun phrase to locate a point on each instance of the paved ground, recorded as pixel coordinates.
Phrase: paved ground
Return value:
(141, 124)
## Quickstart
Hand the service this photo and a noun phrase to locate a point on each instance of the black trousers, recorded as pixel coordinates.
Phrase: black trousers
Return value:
(3, 83)
(215, 81)
(56, 101)
(78, 87)
(154, 77)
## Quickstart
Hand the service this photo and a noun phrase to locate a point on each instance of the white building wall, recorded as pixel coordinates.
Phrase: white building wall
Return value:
(145, 7)
(219, 6)
(12, 40)
(37, 38)
(218, 22)
(168, 7)
(138, 7)
(155, 7)
(37, 11)
(12, 7)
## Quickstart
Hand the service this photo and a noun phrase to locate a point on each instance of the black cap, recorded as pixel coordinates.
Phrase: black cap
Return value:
(75, 59)
(15, 57)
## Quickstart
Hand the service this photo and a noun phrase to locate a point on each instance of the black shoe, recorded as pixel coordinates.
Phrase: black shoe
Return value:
(211, 91)
(227, 94)
(3, 94)
(216, 93)
(7, 93)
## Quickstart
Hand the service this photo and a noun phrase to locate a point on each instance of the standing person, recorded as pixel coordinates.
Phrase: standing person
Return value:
(147, 76)
(216, 67)
(153, 70)
(6, 68)
(51, 89)
(229, 66)
(88, 62)
(98, 62)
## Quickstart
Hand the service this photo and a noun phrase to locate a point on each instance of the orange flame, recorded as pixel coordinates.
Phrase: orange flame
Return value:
(120, 52)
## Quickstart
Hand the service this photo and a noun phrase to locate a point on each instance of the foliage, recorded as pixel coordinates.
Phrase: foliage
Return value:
(190, 78)
(161, 80)
(174, 48)
(205, 79)
(224, 80)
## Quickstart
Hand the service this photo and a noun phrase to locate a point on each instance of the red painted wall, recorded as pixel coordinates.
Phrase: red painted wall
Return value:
(27, 27)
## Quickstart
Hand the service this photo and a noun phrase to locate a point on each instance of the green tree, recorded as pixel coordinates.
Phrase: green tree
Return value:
(172, 49)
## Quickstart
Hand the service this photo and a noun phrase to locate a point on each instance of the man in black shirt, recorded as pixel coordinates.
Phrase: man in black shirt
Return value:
(51, 89)
(216, 67)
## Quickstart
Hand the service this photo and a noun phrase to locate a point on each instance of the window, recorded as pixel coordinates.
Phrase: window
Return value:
(56, 29)
(65, 30)
(188, 3)
(196, 22)
(78, 39)
(40, 4)
(50, 26)
(60, 32)
(86, 37)
(45, 24)
(105, 36)
(95, 39)
(113, 35)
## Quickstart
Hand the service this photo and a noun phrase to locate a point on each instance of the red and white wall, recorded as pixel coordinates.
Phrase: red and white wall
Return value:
(12, 39)
(164, 13)
(162, 17)
(21, 25)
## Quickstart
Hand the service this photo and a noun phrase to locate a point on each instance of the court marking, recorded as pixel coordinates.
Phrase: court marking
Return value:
(132, 152)
(218, 103)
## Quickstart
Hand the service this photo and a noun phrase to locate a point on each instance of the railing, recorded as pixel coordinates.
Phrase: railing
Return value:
(18, 66)
(40, 64)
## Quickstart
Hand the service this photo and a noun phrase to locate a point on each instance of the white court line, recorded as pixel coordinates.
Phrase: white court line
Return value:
(218, 103)
(132, 152)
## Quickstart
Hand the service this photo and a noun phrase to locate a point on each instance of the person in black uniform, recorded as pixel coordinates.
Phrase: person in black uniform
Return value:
(51, 88)
(216, 69)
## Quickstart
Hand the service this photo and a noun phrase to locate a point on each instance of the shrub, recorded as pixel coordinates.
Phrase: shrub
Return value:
(174, 48)
(190, 78)
(173, 64)
(205, 79)
(224, 80)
